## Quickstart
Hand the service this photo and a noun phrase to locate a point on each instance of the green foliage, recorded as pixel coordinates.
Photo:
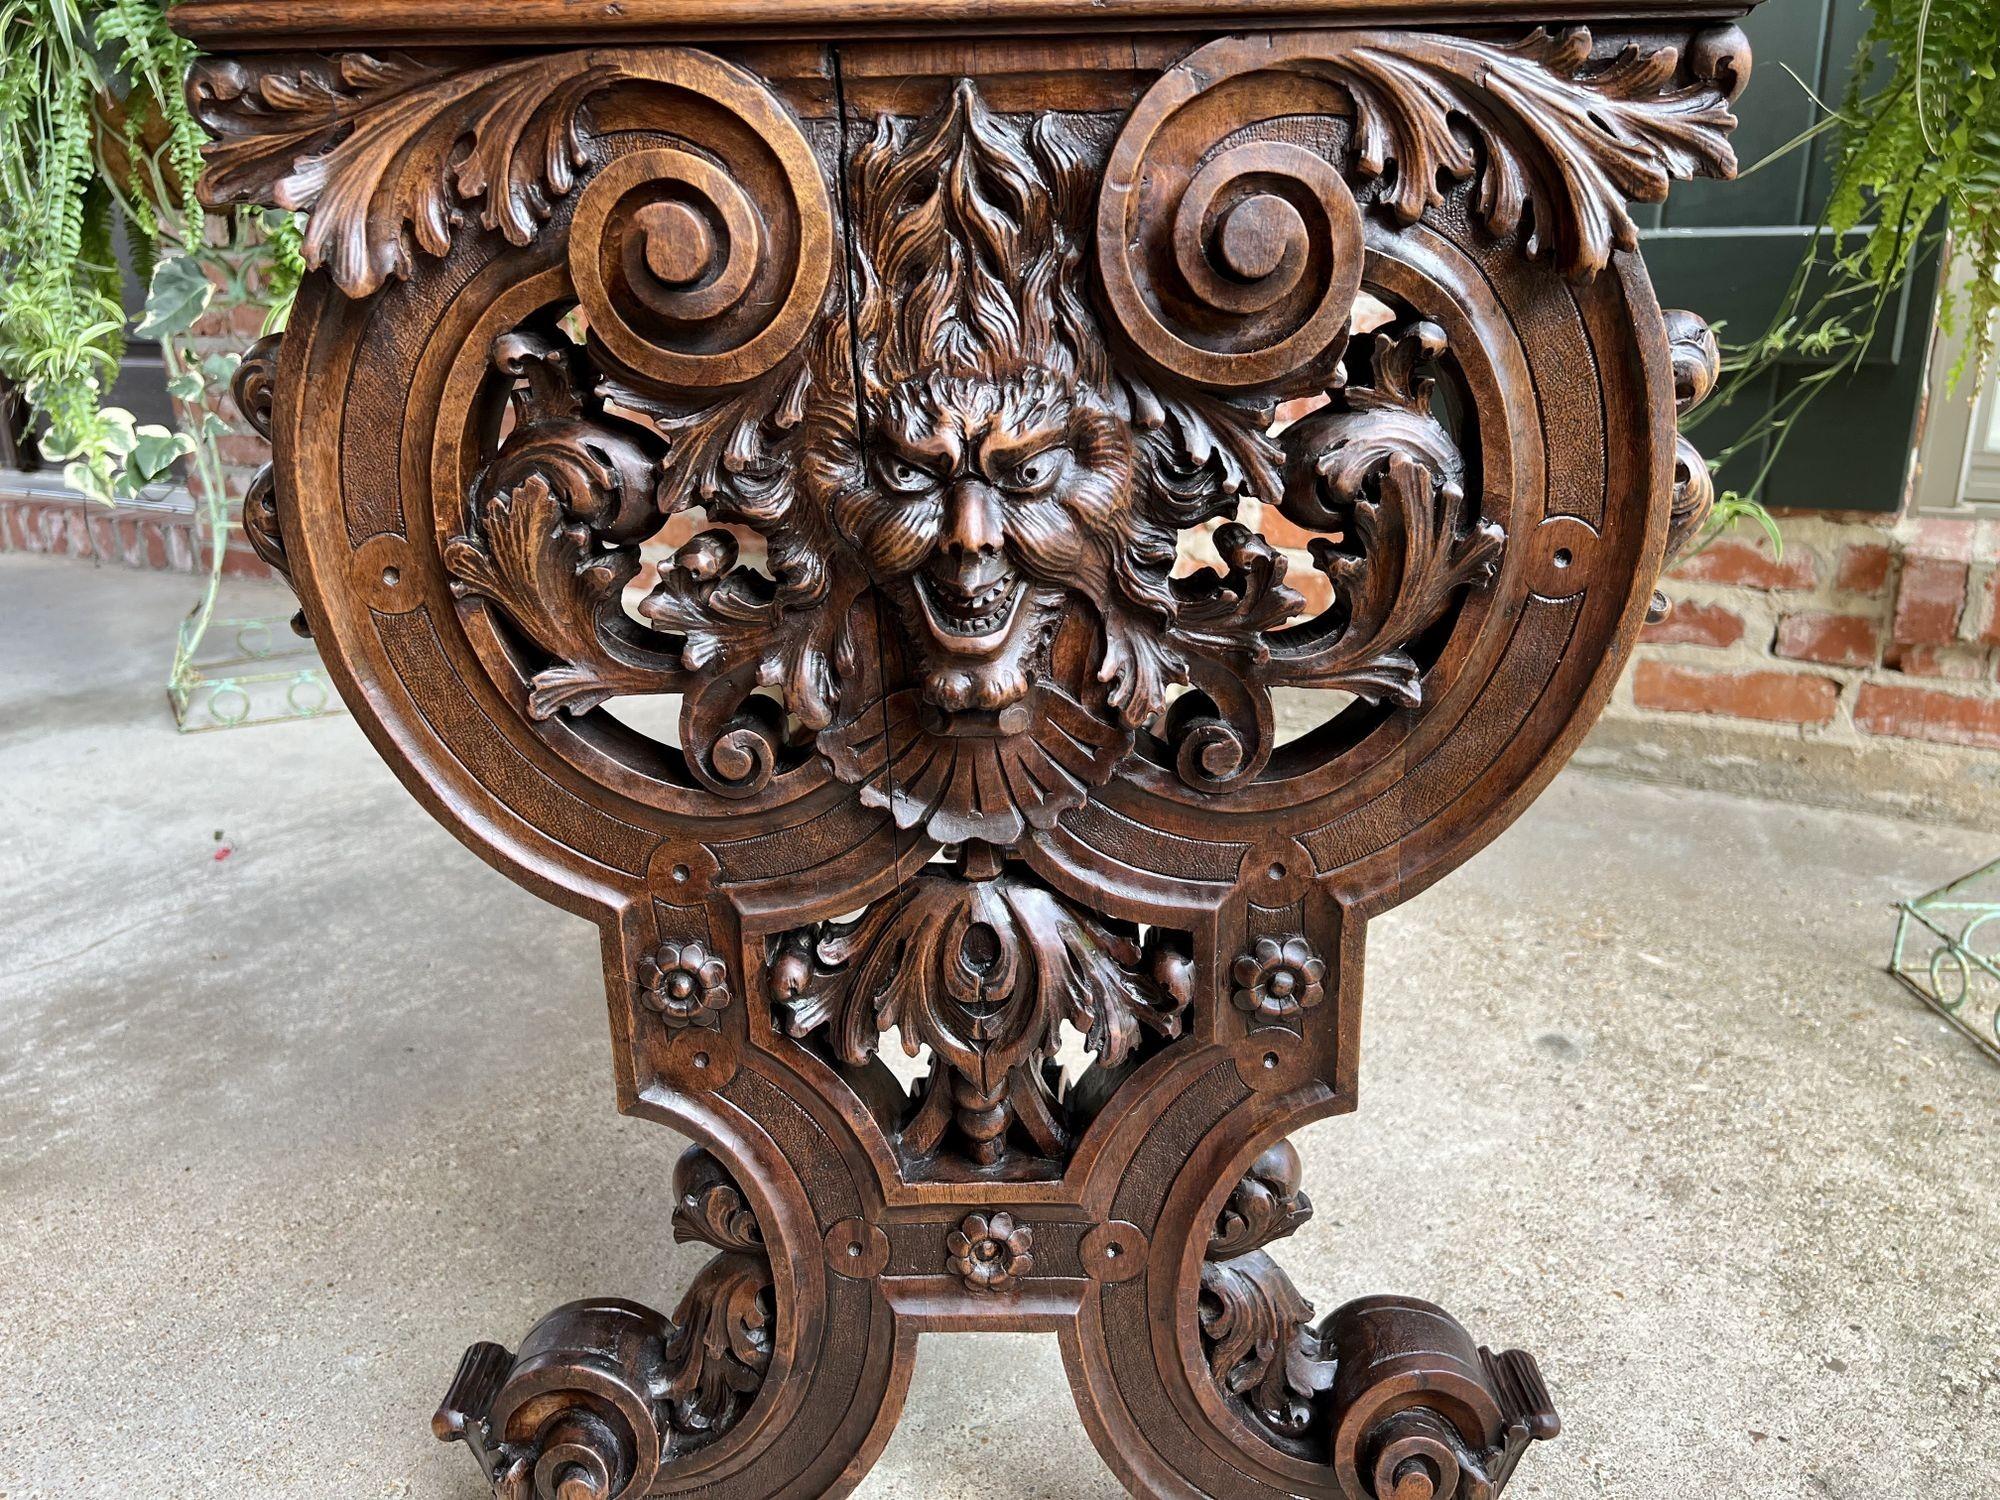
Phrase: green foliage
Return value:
(96, 134)
(1917, 156)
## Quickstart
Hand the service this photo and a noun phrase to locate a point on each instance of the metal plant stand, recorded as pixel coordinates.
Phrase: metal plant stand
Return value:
(258, 673)
(1947, 944)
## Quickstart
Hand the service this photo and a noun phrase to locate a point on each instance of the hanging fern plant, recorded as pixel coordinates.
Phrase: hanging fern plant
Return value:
(95, 134)
(1916, 159)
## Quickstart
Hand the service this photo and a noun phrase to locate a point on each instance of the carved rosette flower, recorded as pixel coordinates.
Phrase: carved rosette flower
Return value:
(1278, 978)
(684, 984)
(991, 1253)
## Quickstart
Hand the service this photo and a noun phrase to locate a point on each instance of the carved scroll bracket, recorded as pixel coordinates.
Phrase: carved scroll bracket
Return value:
(603, 1392)
(1003, 558)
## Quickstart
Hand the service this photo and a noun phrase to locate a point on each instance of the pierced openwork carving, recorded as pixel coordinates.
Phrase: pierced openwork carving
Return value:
(984, 972)
(1013, 497)
(1014, 684)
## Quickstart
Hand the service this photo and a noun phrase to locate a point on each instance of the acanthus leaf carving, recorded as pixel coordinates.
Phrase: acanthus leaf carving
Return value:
(368, 144)
(971, 701)
(1565, 144)
(1266, 1204)
(720, 1348)
(390, 154)
(546, 571)
(1554, 142)
(714, 1358)
(971, 488)
(972, 319)
(1377, 468)
(984, 973)
(553, 526)
(1262, 1348)
(710, 1207)
(1256, 1330)
(1236, 611)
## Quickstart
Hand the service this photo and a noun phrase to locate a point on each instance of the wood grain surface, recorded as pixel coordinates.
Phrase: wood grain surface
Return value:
(959, 894)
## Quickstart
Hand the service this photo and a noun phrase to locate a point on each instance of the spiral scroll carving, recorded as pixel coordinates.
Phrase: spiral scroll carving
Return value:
(723, 258)
(701, 275)
(1237, 272)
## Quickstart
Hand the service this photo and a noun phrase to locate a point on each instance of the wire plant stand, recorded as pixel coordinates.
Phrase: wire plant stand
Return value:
(261, 670)
(1947, 954)
(258, 673)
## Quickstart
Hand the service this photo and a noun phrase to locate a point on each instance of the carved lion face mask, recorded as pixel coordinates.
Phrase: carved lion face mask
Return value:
(986, 502)
(990, 486)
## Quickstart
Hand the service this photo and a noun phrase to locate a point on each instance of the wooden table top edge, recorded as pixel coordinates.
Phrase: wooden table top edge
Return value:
(250, 24)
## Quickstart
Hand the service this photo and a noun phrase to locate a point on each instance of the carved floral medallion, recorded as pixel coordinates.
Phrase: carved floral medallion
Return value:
(990, 1253)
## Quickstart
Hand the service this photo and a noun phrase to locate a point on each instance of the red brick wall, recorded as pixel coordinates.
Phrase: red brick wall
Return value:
(70, 527)
(1856, 631)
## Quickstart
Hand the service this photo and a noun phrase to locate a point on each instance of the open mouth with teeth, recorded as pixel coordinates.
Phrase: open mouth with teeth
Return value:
(970, 621)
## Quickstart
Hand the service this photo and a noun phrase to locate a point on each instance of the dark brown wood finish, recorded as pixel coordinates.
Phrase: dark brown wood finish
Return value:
(977, 344)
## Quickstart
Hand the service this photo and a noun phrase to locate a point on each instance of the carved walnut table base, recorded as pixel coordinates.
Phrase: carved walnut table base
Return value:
(959, 325)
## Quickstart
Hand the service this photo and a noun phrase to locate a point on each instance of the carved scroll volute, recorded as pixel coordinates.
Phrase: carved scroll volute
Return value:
(1419, 1409)
(1238, 270)
(697, 275)
(698, 269)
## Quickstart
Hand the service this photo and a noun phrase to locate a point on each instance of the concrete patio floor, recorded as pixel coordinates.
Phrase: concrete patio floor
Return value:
(280, 1133)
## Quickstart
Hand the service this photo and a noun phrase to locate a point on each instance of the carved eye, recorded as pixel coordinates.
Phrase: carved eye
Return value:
(902, 475)
(1039, 472)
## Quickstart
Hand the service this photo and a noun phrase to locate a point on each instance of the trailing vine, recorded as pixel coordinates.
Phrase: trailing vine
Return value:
(96, 135)
(1916, 158)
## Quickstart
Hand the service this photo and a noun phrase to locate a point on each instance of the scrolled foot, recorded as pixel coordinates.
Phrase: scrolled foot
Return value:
(1387, 1398)
(1422, 1413)
(570, 1417)
(604, 1392)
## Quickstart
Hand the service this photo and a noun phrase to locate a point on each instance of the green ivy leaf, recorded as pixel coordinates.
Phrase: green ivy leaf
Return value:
(154, 454)
(92, 481)
(187, 386)
(180, 294)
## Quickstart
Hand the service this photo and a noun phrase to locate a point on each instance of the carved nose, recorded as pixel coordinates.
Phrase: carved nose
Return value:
(972, 523)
